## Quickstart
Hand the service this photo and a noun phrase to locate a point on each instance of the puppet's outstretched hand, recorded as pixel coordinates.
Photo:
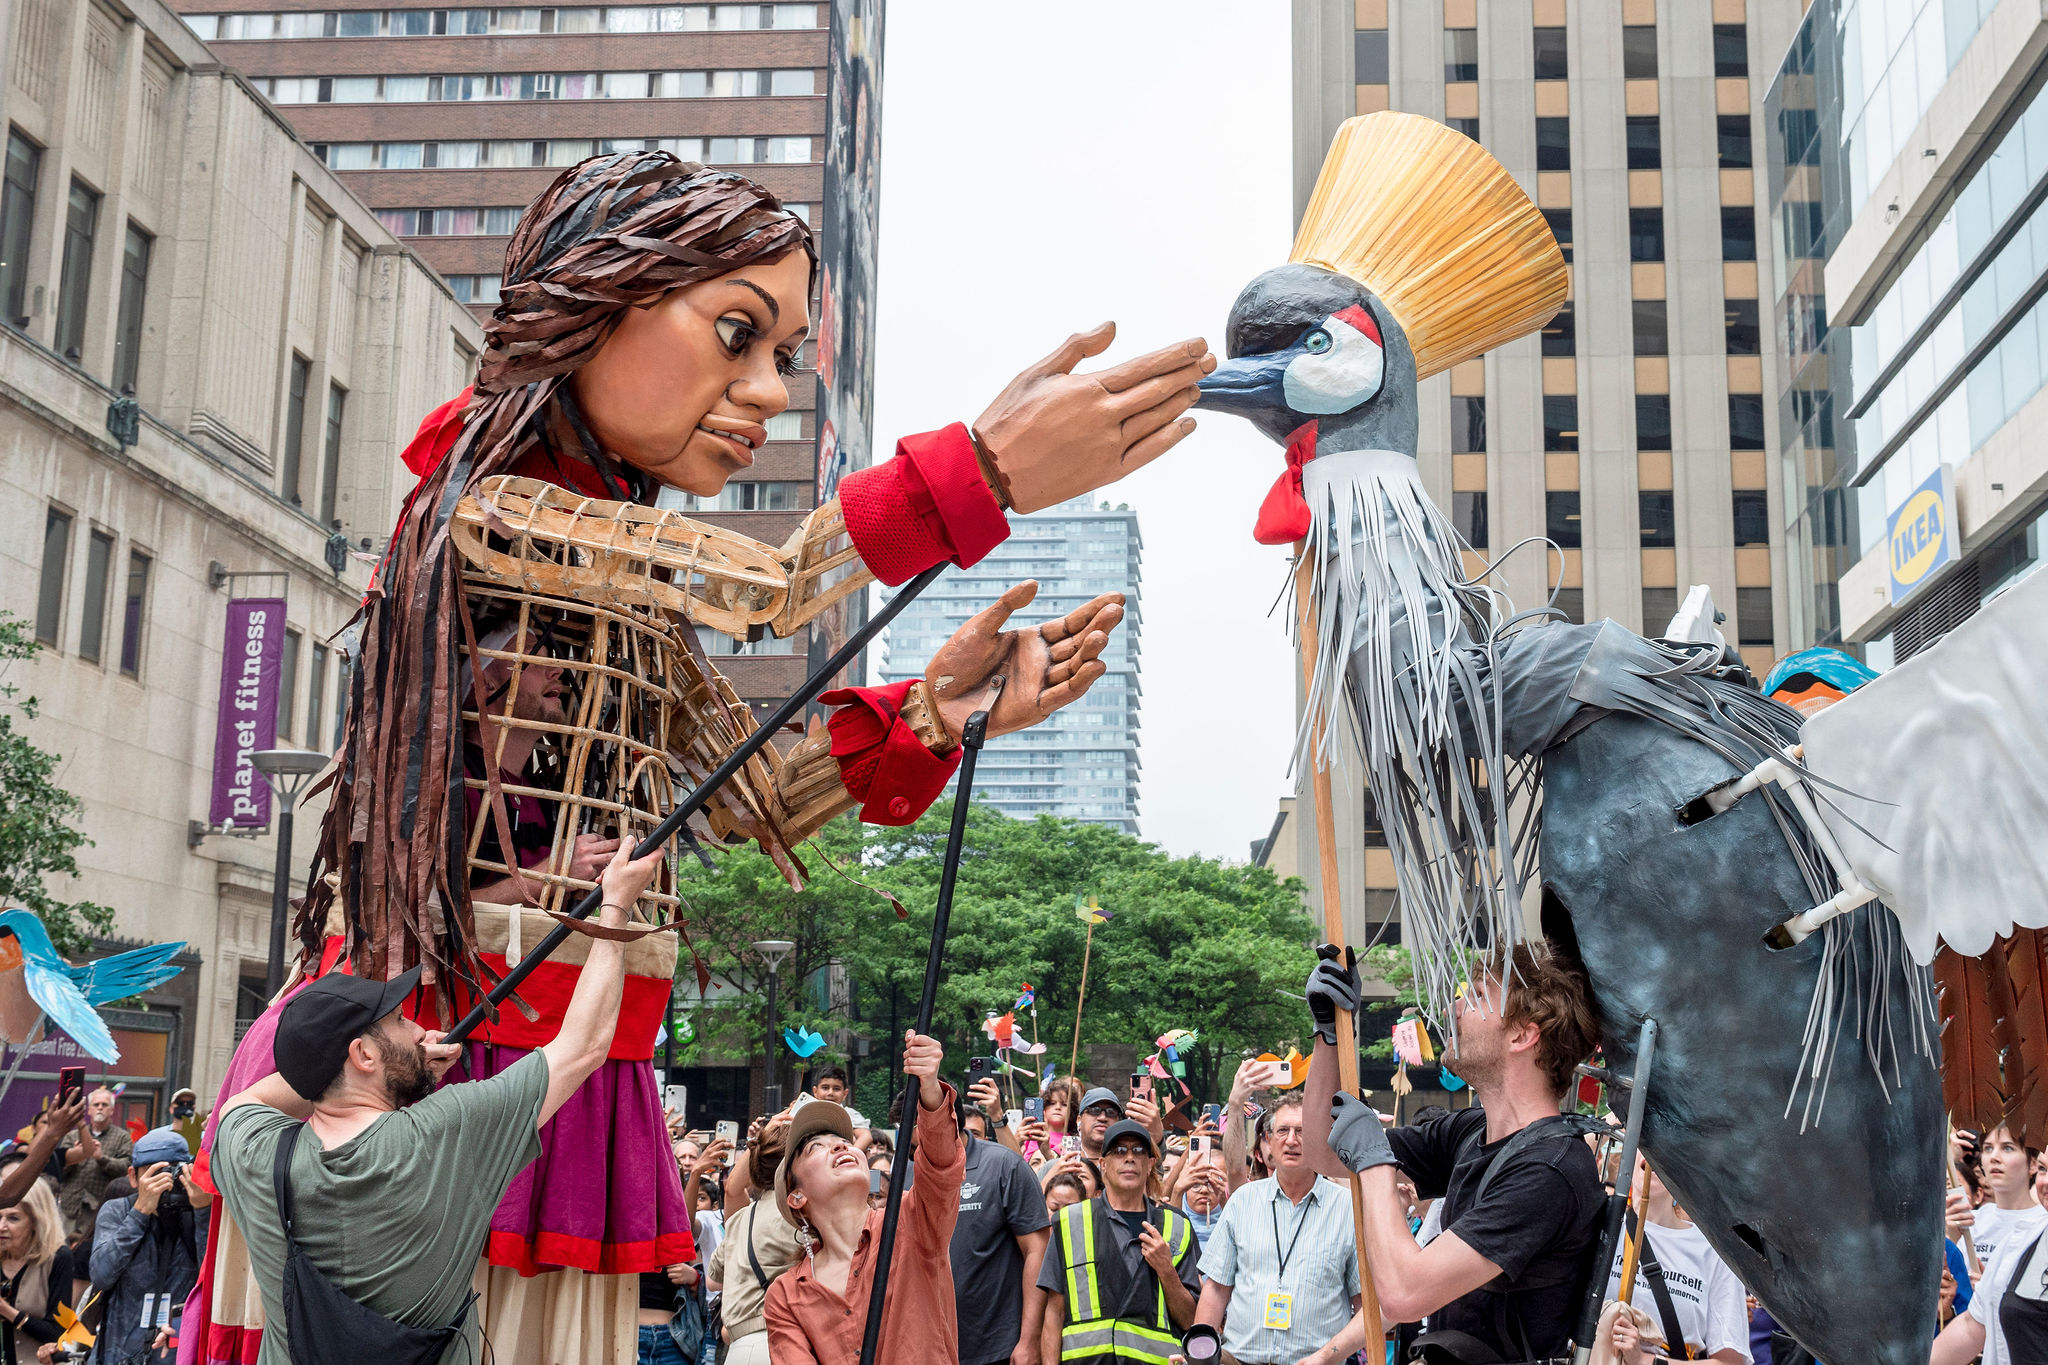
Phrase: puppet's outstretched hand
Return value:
(1053, 434)
(1043, 667)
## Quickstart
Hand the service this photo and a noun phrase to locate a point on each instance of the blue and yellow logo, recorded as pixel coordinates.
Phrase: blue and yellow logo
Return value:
(1922, 534)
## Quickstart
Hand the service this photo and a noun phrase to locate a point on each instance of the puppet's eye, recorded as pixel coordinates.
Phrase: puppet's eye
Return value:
(1316, 342)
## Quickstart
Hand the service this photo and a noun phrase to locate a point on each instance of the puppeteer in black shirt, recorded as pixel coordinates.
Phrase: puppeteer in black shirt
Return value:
(1539, 1223)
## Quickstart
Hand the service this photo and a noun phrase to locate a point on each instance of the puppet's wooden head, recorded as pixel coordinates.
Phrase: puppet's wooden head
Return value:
(1418, 250)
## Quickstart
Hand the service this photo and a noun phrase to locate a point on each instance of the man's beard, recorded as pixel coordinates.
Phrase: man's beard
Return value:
(406, 1077)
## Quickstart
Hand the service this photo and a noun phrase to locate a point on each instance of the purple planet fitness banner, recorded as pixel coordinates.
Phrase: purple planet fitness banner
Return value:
(250, 663)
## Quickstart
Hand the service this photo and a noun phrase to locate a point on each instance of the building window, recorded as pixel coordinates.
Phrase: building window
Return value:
(294, 430)
(81, 219)
(1745, 335)
(1659, 606)
(1660, 522)
(1753, 623)
(1653, 421)
(1468, 514)
(56, 563)
(1468, 425)
(1738, 234)
(1560, 422)
(1651, 327)
(1461, 54)
(287, 684)
(344, 672)
(1731, 51)
(1369, 56)
(316, 694)
(785, 426)
(477, 288)
(330, 452)
(1560, 221)
(17, 221)
(1645, 148)
(1639, 52)
(132, 607)
(1468, 126)
(1553, 144)
(1559, 337)
(1561, 518)
(1551, 63)
(92, 626)
(1646, 234)
(1571, 602)
(128, 330)
(1732, 132)
(1752, 517)
(1745, 421)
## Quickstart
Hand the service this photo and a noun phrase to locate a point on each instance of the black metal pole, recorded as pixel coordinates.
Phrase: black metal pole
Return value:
(690, 804)
(972, 735)
(1617, 1203)
(771, 1087)
(280, 897)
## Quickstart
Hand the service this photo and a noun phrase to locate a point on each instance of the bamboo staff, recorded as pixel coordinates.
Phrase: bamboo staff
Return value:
(1632, 1249)
(1074, 1057)
(1333, 921)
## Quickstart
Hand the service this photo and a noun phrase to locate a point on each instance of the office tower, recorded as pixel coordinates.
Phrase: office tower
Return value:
(448, 121)
(1081, 763)
(1631, 432)
(1908, 160)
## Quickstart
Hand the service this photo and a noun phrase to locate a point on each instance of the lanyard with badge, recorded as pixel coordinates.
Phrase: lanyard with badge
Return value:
(1280, 1302)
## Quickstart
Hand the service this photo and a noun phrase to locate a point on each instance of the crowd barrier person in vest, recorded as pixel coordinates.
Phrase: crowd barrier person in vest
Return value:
(1121, 1273)
(1505, 1279)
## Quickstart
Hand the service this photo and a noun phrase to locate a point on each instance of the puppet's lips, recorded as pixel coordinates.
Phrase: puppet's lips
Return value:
(738, 441)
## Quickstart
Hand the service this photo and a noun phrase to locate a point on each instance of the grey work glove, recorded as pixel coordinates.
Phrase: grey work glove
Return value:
(1332, 990)
(1356, 1134)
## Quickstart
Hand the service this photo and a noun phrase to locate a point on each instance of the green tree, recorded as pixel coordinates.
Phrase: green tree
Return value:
(1192, 943)
(38, 834)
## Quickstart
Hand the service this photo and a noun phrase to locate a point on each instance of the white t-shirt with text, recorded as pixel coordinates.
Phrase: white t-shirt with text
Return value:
(1995, 1226)
(1988, 1292)
(1709, 1299)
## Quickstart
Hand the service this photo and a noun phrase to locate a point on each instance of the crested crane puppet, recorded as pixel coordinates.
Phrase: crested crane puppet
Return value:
(1644, 793)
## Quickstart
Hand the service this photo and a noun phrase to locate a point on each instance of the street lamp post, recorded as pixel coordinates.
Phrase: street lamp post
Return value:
(773, 950)
(287, 771)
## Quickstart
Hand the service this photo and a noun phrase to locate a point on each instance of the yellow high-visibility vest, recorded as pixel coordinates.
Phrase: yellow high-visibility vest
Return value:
(1090, 1333)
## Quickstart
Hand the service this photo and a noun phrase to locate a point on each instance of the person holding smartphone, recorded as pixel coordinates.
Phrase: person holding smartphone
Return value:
(147, 1249)
(93, 1156)
(997, 1247)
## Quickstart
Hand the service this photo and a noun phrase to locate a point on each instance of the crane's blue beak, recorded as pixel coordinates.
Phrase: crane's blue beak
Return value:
(1248, 386)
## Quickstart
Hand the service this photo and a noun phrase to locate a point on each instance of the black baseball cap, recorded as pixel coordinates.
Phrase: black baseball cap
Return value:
(316, 1027)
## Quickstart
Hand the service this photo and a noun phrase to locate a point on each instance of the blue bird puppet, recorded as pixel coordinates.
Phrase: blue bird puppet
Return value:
(71, 995)
(802, 1041)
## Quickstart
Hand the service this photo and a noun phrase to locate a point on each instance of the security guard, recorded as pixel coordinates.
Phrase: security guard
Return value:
(1120, 1275)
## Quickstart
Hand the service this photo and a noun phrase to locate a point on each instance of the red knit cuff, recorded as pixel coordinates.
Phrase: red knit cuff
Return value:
(928, 504)
(883, 763)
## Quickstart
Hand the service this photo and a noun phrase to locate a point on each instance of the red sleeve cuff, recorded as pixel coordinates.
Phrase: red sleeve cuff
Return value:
(929, 503)
(883, 763)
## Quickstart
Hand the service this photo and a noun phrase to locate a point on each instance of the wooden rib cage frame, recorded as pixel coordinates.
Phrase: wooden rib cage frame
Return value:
(610, 593)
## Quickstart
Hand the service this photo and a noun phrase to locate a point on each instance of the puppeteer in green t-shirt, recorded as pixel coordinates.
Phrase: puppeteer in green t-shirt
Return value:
(397, 1215)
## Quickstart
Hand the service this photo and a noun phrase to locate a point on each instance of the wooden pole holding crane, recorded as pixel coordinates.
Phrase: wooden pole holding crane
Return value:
(1333, 921)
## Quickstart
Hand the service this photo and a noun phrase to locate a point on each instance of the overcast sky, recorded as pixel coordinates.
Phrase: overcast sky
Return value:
(1045, 168)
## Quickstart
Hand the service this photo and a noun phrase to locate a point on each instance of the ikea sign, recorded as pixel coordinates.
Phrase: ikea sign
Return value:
(1922, 535)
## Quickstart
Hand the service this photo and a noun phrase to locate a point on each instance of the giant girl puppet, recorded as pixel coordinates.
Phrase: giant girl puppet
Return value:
(531, 683)
(1643, 793)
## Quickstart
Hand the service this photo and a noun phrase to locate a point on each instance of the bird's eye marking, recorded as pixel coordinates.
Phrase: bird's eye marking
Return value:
(1316, 342)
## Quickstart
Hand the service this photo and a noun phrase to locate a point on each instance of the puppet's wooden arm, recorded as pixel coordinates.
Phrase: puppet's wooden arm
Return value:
(808, 790)
(824, 568)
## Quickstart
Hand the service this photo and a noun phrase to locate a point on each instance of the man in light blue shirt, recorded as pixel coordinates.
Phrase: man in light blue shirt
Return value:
(1280, 1271)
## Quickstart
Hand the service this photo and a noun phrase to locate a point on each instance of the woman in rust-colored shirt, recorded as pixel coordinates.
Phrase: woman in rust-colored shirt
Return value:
(818, 1310)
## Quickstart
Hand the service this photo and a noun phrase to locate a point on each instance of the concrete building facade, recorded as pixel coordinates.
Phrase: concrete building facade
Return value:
(164, 234)
(1083, 762)
(1908, 165)
(1631, 433)
(448, 121)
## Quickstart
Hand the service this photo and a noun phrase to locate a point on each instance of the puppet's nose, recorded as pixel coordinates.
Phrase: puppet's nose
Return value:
(1248, 385)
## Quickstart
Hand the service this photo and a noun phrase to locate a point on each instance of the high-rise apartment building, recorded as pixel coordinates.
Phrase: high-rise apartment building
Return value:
(1632, 431)
(449, 120)
(1081, 763)
(1908, 166)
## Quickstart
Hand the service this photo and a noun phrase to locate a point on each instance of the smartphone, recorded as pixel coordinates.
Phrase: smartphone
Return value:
(1034, 1109)
(1070, 1145)
(729, 1131)
(980, 1069)
(875, 1181)
(70, 1084)
(676, 1098)
(1141, 1082)
(1198, 1146)
(1212, 1114)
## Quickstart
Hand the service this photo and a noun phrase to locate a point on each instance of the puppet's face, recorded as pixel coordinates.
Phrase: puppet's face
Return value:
(681, 389)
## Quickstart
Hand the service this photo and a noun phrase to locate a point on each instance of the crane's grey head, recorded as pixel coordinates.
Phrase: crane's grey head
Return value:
(1310, 345)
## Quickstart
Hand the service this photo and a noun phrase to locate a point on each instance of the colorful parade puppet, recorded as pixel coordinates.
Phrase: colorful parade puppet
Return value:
(533, 683)
(1794, 1110)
